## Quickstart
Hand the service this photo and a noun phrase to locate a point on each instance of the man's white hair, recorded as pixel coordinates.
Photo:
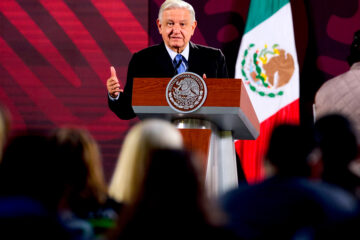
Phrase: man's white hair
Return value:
(174, 4)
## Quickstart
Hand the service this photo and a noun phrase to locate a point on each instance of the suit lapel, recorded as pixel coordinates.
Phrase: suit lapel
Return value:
(165, 62)
(192, 57)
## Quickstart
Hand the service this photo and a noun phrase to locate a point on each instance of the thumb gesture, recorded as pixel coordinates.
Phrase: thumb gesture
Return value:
(112, 84)
(113, 72)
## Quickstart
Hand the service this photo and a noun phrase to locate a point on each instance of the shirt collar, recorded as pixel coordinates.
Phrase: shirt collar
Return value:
(173, 54)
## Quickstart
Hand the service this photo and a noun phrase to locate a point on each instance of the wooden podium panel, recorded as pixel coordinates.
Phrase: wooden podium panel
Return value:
(209, 131)
(198, 141)
(221, 92)
(227, 105)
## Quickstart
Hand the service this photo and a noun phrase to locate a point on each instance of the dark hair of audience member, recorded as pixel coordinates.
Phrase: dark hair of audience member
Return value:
(288, 149)
(28, 169)
(337, 142)
(171, 202)
(85, 184)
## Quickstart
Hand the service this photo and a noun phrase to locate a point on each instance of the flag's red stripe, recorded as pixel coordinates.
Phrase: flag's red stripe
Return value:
(80, 36)
(252, 152)
(124, 23)
(27, 27)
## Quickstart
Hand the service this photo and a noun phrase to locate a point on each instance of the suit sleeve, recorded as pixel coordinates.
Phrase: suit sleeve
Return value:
(222, 71)
(122, 107)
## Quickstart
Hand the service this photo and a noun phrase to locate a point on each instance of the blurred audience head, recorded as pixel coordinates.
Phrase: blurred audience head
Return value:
(172, 176)
(288, 150)
(31, 187)
(29, 169)
(79, 154)
(336, 138)
(144, 138)
(355, 49)
(4, 127)
(337, 142)
(172, 196)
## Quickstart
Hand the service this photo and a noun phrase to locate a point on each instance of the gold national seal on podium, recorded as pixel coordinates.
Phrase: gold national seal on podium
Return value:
(186, 92)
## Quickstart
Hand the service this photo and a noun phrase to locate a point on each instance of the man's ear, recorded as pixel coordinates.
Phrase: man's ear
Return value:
(193, 27)
(158, 23)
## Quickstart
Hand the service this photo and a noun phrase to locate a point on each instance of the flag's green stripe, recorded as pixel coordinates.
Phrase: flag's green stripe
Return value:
(260, 10)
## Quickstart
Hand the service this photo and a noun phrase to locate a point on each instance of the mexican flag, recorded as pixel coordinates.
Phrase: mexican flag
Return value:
(267, 64)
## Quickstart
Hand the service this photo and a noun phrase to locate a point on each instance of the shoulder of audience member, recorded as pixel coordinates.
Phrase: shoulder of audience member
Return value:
(335, 200)
(329, 84)
(233, 194)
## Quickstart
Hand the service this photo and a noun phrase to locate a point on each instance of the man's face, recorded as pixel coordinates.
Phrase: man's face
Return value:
(176, 28)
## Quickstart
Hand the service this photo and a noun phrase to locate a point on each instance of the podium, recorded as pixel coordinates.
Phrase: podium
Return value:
(226, 113)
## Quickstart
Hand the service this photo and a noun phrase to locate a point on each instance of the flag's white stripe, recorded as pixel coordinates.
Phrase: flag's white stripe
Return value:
(276, 29)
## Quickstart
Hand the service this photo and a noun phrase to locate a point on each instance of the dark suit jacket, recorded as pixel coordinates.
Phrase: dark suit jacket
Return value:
(155, 61)
(279, 207)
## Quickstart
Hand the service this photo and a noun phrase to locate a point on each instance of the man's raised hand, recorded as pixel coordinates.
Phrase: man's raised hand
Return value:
(112, 84)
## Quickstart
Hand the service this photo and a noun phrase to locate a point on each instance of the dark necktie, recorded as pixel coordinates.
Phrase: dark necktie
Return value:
(180, 63)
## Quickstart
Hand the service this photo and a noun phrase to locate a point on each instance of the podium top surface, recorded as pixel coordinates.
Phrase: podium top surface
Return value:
(227, 105)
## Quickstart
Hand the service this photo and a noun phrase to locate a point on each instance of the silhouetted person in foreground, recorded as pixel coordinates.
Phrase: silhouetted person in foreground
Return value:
(338, 147)
(171, 203)
(161, 187)
(85, 207)
(341, 94)
(142, 139)
(287, 204)
(31, 184)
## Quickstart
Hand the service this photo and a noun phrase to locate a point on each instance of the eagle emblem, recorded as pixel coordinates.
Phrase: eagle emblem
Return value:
(186, 92)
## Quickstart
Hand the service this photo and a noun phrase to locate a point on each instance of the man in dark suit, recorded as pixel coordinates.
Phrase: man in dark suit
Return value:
(176, 24)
